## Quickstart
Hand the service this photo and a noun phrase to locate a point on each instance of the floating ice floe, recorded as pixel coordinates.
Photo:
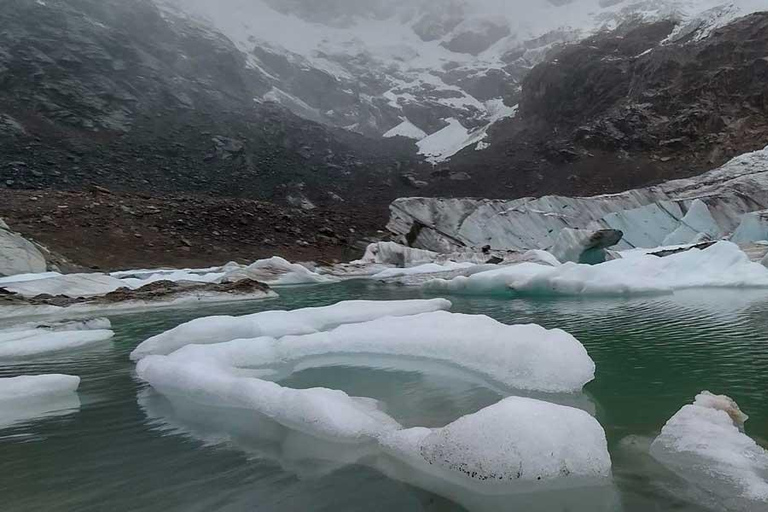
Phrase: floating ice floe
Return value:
(520, 445)
(217, 329)
(530, 443)
(525, 357)
(32, 397)
(723, 265)
(705, 444)
(277, 271)
(37, 386)
(426, 268)
(37, 339)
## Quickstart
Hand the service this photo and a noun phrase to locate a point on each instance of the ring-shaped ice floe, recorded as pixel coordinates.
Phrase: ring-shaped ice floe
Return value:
(544, 443)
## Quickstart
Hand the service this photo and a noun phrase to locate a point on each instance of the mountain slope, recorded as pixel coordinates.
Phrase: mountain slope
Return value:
(620, 110)
(119, 94)
(373, 65)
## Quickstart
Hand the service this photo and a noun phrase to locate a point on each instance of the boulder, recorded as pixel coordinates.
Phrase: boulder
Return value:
(585, 245)
(18, 255)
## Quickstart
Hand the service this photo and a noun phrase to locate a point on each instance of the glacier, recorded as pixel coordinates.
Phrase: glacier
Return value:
(706, 207)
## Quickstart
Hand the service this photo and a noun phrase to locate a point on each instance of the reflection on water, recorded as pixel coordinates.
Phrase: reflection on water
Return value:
(118, 453)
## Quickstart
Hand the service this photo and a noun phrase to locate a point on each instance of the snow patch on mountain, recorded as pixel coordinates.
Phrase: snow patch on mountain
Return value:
(372, 65)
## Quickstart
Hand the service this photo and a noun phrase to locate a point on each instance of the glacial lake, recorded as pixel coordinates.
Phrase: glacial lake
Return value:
(124, 449)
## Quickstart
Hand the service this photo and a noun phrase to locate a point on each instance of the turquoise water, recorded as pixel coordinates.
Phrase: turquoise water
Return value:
(125, 450)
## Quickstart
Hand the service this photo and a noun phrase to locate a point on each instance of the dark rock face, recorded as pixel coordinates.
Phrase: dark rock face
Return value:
(622, 110)
(118, 94)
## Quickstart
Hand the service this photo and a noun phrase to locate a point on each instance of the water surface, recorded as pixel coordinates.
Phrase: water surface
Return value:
(124, 449)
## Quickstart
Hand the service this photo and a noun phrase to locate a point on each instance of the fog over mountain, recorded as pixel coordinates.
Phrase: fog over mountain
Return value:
(365, 101)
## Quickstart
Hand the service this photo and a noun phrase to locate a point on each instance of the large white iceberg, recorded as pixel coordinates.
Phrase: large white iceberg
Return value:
(526, 357)
(38, 339)
(705, 444)
(217, 329)
(518, 446)
(529, 443)
(723, 265)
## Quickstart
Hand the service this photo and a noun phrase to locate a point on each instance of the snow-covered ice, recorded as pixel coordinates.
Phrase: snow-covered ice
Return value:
(277, 271)
(723, 265)
(70, 285)
(530, 443)
(705, 444)
(426, 268)
(37, 386)
(219, 329)
(20, 278)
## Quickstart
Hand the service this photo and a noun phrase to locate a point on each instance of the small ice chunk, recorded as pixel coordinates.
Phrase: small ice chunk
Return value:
(526, 357)
(217, 329)
(427, 268)
(33, 397)
(324, 413)
(276, 271)
(37, 386)
(518, 441)
(391, 253)
(705, 444)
